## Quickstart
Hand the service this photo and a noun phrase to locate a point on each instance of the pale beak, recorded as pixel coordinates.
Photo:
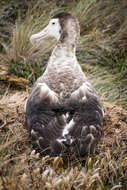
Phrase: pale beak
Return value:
(41, 35)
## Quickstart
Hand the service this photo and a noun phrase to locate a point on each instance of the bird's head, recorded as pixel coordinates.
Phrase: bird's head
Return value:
(61, 26)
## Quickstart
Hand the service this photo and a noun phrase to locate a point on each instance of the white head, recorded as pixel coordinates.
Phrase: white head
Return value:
(51, 30)
(61, 26)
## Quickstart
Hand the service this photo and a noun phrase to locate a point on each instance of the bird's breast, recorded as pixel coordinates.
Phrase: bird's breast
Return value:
(63, 78)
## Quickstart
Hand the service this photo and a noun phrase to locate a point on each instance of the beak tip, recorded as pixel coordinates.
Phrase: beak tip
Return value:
(37, 37)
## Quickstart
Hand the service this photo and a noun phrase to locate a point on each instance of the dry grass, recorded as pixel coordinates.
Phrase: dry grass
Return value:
(21, 168)
(23, 59)
(103, 30)
(103, 42)
(20, 50)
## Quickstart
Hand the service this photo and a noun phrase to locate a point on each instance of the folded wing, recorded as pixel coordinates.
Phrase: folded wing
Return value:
(54, 124)
(84, 128)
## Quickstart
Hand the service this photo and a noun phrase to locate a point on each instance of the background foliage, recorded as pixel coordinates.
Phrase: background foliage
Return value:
(102, 53)
(102, 48)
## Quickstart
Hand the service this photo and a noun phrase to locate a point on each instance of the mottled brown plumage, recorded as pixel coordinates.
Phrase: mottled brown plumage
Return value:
(63, 109)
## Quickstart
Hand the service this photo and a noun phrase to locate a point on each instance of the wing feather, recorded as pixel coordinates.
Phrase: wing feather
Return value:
(44, 124)
(86, 129)
(75, 123)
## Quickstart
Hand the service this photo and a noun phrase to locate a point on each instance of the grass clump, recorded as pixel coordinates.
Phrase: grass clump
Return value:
(23, 59)
(103, 33)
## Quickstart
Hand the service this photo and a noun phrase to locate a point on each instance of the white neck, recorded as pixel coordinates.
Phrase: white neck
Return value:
(63, 50)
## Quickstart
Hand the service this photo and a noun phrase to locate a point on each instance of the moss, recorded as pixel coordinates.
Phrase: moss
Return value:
(29, 71)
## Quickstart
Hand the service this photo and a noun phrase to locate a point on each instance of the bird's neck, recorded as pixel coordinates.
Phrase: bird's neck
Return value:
(63, 50)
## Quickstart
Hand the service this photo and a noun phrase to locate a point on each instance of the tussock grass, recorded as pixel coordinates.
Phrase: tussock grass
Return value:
(102, 53)
(108, 84)
(20, 55)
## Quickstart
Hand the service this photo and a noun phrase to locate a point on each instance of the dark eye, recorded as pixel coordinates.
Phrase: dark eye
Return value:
(53, 23)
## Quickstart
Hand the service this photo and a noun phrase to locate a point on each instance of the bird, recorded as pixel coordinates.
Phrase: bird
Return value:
(63, 111)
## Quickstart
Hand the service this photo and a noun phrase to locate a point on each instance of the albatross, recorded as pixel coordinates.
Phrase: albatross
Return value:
(63, 110)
